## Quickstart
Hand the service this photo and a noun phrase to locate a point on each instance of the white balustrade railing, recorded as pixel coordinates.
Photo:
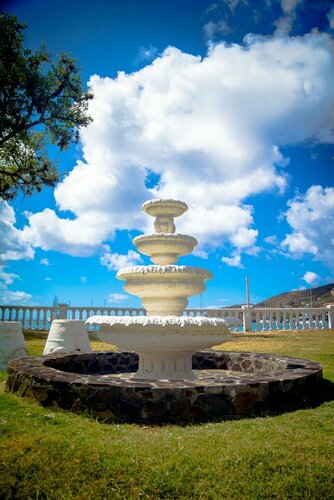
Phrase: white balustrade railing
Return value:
(241, 319)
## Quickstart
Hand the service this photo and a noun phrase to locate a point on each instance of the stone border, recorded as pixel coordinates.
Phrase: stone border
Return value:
(230, 385)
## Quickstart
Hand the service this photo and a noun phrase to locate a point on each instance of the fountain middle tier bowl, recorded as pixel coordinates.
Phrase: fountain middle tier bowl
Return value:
(164, 290)
(165, 248)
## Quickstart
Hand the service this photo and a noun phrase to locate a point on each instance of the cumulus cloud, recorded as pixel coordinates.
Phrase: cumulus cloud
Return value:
(44, 262)
(212, 28)
(146, 54)
(209, 129)
(7, 278)
(285, 22)
(117, 298)
(14, 297)
(8, 296)
(330, 16)
(13, 242)
(115, 261)
(310, 277)
(311, 217)
(234, 261)
(245, 238)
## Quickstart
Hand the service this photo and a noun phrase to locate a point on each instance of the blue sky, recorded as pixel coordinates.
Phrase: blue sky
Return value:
(227, 105)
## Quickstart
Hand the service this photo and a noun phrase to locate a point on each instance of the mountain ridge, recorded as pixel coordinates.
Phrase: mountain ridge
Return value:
(318, 296)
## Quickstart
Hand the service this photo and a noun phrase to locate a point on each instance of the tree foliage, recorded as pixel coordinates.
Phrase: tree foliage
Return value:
(42, 102)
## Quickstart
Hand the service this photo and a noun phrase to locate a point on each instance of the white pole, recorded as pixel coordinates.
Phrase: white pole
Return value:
(247, 292)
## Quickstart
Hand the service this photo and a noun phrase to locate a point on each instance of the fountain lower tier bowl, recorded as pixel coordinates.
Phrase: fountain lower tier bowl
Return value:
(164, 290)
(165, 344)
(228, 385)
(165, 248)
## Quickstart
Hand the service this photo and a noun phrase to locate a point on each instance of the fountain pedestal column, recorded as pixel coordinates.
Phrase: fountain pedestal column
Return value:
(165, 365)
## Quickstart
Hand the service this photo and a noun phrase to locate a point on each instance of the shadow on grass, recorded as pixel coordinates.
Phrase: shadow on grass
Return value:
(326, 392)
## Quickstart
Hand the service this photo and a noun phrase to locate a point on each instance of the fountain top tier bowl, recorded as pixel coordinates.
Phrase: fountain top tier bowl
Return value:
(164, 211)
(165, 339)
(165, 207)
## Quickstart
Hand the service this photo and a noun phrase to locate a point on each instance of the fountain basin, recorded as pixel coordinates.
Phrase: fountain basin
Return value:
(228, 385)
(165, 344)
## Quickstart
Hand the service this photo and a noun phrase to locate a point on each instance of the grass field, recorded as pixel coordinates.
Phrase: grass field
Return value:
(46, 453)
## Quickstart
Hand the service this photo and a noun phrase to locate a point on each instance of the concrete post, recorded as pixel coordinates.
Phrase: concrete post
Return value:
(330, 308)
(12, 343)
(67, 336)
(247, 317)
(62, 314)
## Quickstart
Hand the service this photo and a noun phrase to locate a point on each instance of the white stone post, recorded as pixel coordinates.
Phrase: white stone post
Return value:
(247, 317)
(12, 343)
(67, 336)
(330, 308)
(62, 311)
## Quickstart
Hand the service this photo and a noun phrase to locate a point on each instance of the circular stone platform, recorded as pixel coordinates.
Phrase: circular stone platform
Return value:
(228, 385)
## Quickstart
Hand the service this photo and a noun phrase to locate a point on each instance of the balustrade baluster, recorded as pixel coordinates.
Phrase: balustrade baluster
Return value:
(271, 320)
(24, 312)
(44, 318)
(257, 321)
(323, 320)
(38, 319)
(30, 318)
(317, 324)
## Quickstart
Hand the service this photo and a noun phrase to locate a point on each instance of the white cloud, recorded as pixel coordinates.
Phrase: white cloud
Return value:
(44, 262)
(8, 296)
(271, 240)
(298, 244)
(7, 278)
(48, 278)
(147, 54)
(211, 28)
(234, 261)
(285, 22)
(245, 238)
(17, 297)
(13, 242)
(310, 277)
(330, 16)
(117, 298)
(311, 217)
(199, 252)
(115, 261)
(83, 279)
(209, 128)
(13, 297)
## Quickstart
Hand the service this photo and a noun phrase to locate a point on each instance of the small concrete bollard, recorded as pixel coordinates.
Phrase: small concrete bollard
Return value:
(12, 343)
(67, 335)
(247, 317)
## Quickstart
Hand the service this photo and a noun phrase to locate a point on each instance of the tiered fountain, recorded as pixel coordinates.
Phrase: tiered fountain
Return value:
(170, 382)
(164, 339)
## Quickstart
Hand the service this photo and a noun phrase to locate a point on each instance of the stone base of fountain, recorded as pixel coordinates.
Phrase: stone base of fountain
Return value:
(227, 385)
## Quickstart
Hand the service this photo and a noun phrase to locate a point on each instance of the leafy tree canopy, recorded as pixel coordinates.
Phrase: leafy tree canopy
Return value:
(42, 102)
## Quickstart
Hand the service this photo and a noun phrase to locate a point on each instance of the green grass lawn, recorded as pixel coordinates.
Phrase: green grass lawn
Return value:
(47, 453)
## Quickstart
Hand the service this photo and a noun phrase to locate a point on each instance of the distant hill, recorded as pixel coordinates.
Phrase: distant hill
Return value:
(319, 296)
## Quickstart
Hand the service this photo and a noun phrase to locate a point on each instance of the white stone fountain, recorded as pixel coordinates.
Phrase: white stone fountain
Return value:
(165, 339)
